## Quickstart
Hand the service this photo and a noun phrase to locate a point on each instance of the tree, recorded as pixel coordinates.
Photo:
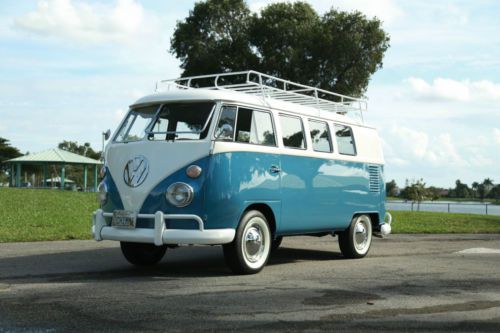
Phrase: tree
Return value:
(214, 38)
(391, 188)
(7, 152)
(415, 191)
(495, 193)
(434, 193)
(84, 150)
(475, 189)
(338, 51)
(461, 190)
(488, 185)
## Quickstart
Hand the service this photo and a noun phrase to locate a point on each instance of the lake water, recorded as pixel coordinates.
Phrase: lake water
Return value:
(445, 206)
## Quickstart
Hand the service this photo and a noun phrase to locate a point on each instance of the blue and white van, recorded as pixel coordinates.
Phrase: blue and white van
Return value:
(241, 160)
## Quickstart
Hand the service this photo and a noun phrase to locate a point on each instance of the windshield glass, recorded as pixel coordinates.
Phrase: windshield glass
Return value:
(172, 121)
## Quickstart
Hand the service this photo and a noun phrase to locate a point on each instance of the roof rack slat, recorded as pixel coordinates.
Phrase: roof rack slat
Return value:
(269, 87)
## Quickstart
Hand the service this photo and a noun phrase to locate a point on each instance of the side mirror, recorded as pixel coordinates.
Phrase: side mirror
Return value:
(106, 134)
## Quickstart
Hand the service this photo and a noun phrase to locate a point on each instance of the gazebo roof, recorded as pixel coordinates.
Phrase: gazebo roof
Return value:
(54, 156)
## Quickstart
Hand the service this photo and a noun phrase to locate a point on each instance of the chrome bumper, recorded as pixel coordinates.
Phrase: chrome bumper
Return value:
(160, 234)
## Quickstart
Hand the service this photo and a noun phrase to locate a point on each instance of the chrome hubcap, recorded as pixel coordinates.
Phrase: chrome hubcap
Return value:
(361, 236)
(253, 242)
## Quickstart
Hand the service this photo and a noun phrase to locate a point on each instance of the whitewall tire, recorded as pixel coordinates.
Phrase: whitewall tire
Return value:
(355, 241)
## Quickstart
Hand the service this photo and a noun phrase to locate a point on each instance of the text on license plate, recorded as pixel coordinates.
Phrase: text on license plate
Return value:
(123, 219)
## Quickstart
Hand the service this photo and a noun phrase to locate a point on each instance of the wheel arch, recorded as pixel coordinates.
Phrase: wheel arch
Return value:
(374, 218)
(268, 213)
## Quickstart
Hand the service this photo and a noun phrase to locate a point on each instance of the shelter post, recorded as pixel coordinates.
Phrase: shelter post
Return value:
(63, 169)
(18, 174)
(95, 177)
(11, 175)
(85, 178)
(45, 174)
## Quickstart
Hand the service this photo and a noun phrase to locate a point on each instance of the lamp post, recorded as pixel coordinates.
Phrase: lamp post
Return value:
(105, 137)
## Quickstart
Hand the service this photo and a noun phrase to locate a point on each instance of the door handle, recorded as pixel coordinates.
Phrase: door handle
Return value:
(274, 169)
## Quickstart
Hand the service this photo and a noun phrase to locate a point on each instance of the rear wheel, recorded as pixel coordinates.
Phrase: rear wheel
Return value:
(249, 251)
(141, 254)
(356, 240)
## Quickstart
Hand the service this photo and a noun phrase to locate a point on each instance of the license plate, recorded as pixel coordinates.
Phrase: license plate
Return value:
(123, 219)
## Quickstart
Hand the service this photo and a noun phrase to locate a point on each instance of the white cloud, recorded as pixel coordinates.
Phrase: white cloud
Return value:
(442, 89)
(123, 22)
(419, 146)
(414, 141)
(496, 133)
(386, 10)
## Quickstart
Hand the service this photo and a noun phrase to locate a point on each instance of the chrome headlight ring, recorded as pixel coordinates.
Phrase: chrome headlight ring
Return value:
(179, 194)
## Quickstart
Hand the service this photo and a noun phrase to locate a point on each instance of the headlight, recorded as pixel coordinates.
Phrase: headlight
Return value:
(180, 194)
(102, 196)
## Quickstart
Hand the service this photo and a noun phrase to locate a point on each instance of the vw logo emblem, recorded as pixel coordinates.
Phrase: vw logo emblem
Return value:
(136, 170)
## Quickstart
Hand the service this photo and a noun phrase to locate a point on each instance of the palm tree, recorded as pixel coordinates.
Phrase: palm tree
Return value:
(488, 185)
(475, 187)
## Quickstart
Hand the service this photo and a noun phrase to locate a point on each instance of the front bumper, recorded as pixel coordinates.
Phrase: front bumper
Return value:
(160, 235)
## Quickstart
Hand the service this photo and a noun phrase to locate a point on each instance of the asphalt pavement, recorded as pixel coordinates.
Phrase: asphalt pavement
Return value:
(424, 283)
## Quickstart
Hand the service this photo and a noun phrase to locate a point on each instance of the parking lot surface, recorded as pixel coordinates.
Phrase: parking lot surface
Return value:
(406, 283)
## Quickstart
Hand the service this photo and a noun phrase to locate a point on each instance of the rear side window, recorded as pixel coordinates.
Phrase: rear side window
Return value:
(320, 136)
(255, 127)
(292, 132)
(345, 140)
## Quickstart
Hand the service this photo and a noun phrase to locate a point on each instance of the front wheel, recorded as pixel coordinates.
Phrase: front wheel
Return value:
(249, 251)
(356, 240)
(275, 245)
(141, 254)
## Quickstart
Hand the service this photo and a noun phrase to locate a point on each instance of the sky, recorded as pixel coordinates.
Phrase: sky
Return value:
(70, 68)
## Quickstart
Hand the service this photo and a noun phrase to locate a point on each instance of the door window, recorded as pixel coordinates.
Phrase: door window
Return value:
(255, 127)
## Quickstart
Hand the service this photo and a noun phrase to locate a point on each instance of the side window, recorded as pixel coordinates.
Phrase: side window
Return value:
(225, 127)
(255, 127)
(293, 132)
(320, 136)
(345, 140)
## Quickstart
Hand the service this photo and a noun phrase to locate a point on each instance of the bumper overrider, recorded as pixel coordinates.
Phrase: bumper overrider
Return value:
(160, 235)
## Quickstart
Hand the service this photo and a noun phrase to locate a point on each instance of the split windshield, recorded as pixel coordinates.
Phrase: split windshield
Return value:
(170, 122)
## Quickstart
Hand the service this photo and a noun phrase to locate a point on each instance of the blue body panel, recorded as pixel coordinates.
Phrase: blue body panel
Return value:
(309, 195)
(322, 194)
(235, 181)
(114, 200)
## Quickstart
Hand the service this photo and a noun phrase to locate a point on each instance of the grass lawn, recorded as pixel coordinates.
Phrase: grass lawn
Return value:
(443, 223)
(36, 215)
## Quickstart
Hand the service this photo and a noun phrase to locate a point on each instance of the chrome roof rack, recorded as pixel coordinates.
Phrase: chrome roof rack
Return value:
(270, 87)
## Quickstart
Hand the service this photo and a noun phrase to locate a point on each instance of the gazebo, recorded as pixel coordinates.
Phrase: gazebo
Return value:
(56, 157)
